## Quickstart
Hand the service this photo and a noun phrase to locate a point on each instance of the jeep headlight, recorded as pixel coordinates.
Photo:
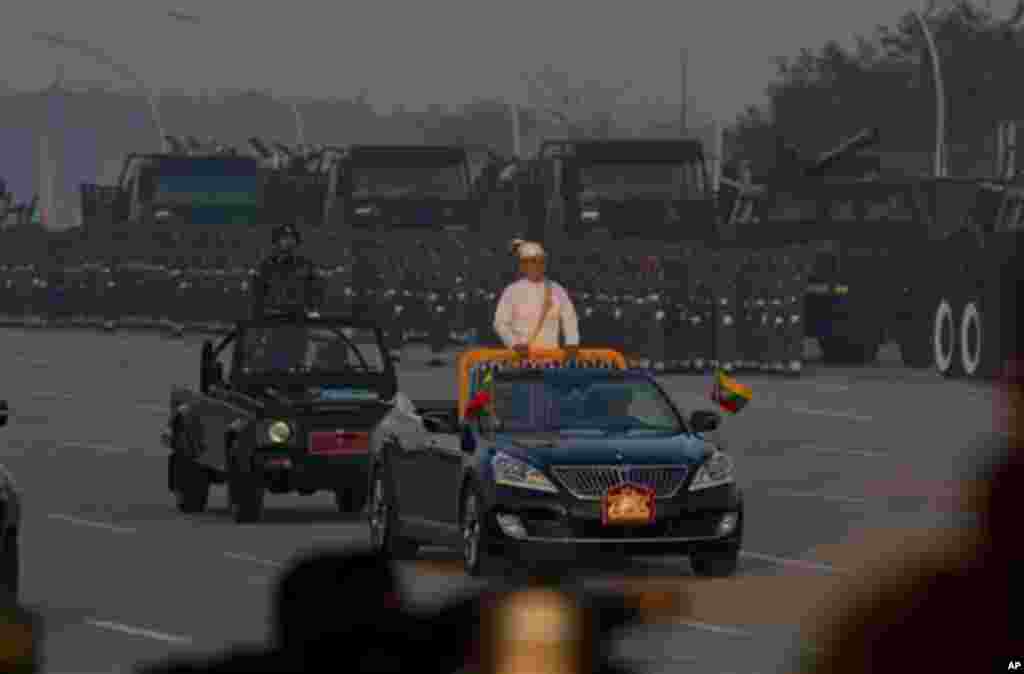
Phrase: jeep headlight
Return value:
(716, 471)
(511, 472)
(279, 432)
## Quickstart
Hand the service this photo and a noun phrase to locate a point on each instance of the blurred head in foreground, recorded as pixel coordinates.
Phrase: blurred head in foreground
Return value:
(331, 597)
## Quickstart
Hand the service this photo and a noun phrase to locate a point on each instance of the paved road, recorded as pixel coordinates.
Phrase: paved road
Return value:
(121, 577)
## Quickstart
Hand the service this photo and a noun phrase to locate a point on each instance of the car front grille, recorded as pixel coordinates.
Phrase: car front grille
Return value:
(591, 482)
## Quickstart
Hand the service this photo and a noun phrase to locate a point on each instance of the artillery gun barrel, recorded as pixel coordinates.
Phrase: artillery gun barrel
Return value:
(849, 147)
(260, 147)
(175, 143)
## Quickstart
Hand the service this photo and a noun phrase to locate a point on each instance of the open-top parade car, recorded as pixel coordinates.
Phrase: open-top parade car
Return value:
(296, 413)
(542, 457)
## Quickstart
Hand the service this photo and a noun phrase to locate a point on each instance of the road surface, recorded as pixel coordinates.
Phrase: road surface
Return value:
(121, 577)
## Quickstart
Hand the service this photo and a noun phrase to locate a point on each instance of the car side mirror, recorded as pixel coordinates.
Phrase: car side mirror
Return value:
(468, 444)
(4, 412)
(704, 421)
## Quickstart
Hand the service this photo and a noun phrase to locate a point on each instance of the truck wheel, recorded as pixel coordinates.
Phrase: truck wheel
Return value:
(981, 349)
(944, 338)
(191, 484)
(349, 499)
(245, 495)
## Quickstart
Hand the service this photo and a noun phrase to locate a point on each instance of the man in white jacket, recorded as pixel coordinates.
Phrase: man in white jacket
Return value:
(521, 306)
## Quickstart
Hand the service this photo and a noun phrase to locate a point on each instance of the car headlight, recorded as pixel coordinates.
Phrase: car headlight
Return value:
(511, 472)
(716, 471)
(279, 432)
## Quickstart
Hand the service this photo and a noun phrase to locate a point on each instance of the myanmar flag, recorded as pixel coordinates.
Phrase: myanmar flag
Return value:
(730, 395)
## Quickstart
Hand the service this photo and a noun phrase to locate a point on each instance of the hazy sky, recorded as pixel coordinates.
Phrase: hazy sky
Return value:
(437, 51)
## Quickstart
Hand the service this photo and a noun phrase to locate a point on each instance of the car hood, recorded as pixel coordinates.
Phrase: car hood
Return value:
(567, 449)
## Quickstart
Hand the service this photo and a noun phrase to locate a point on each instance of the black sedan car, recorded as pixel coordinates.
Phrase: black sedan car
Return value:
(566, 462)
(10, 527)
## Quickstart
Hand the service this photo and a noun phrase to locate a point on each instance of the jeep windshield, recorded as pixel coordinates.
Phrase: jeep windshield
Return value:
(580, 401)
(310, 350)
(618, 181)
(449, 181)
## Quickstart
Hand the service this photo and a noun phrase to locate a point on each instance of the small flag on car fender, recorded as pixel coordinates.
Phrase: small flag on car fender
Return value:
(729, 394)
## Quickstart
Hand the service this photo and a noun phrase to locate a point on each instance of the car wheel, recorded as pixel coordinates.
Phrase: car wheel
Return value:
(716, 562)
(347, 500)
(10, 565)
(191, 484)
(476, 558)
(944, 339)
(383, 519)
(245, 495)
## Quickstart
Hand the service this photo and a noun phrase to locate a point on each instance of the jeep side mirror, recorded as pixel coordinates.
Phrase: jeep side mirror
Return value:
(4, 411)
(704, 421)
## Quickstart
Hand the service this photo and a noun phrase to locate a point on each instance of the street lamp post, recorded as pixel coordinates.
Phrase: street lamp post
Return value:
(100, 56)
(300, 135)
(938, 161)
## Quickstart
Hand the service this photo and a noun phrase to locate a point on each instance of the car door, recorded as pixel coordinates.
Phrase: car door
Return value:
(217, 412)
(440, 469)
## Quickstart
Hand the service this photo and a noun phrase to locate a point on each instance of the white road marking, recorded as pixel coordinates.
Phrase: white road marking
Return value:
(813, 494)
(101, 449)
(51, 395)
(838, 414)
(90, 523)
(255, 560)
(783, 561)
(718, 629)
(839, 450)
(139, 631)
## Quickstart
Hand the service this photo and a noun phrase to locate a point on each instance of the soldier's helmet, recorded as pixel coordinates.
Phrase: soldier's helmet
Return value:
(284, 230)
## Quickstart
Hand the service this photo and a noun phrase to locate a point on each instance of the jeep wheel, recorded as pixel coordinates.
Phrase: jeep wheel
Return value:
(715, 562)
(189, 483)
(383, 520)
(10, 565)
(245, 495)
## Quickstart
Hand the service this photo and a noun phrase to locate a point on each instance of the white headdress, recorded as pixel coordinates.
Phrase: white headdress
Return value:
(526, 249)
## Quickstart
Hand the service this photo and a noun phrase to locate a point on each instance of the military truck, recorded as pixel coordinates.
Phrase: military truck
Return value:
(165, 204)
(913, 260)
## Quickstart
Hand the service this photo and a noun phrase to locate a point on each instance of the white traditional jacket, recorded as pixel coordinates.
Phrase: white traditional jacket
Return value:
(519, 310)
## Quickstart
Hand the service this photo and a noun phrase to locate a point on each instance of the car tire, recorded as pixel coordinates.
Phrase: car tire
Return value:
(245, 495)
(945, 337)
(477, 559)
(10, 565)
(716, 562)
(382, 516)
(190, 483)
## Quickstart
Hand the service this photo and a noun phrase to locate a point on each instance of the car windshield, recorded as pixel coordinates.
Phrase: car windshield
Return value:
(319, 349)
(622, 180)
(562, 401)
(446, 182)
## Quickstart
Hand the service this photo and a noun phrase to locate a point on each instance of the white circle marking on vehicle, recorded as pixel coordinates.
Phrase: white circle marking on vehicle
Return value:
(943, 319)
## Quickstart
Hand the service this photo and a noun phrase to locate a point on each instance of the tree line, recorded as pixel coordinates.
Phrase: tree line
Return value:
(822, 95)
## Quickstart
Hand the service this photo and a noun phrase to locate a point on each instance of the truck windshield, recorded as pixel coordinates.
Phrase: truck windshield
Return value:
(621, 180)
(211, 198)
(445, 182)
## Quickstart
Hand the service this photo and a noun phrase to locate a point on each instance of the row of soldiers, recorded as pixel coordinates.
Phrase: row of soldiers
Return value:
(680, 313)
